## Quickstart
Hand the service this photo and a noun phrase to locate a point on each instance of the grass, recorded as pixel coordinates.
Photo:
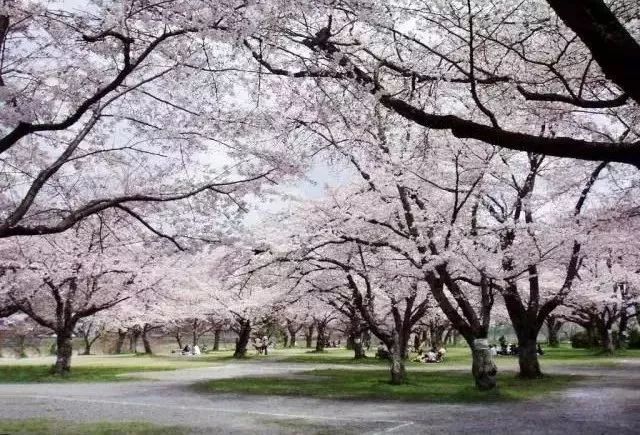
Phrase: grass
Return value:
(58, 427)
(93, 368)
(104, 368)
(440, 386)
(41, 373)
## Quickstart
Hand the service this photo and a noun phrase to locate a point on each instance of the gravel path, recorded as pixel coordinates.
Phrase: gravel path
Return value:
(608, 403)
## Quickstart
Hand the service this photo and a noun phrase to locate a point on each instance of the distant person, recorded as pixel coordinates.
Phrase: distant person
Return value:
(442, 352)
(196, 350)
(265, 345)
(431, 357)
(186, 350)
(493, 351)
(504, 347)
(539, 350)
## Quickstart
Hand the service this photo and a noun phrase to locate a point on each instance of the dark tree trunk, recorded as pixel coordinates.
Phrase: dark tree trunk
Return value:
(606, 340)
(623, 327)
(292, 339)
(308, 335)
(350, 344)
(416, 340)
(610, 43)
(483, 368)
(243, 339)
(216, 339)
(321, 339)
(553, 328)
(194, 333)
(528, 357)
(64, 351)
(87, 346)
(122, 335)
(178, 337)
(145, 339)
(133, 339)
(358, 347)
(21, 346)
(286, 340)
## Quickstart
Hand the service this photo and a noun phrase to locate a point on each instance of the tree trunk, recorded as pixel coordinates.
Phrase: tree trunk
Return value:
(178, 337)
(122, 335)
(87, 346)
(64, 351)
(243, 339)
(309, 335)
(320, 339)
(133, 339)
(398, 371)
(358, 347)
(553, 327)
(621, 341)
(292, 339)
(456, 337)
(194, 332)
(22, 346)
(286, 340)
(483, 368)
(528, 358)
(216, 339)
(607, 342)
(145, 340)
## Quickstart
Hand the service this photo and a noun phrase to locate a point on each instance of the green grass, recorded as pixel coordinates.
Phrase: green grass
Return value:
(94, 368)
(41, 373)
(102, 368)
(58, 427)
(440, 386)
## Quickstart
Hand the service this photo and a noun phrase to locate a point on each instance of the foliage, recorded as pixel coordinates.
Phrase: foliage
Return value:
(634, 339)
(581, 340)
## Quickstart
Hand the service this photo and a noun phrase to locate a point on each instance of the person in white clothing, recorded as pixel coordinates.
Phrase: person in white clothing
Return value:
(196, 350)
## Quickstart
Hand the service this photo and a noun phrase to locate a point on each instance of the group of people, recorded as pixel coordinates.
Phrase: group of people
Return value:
(508, 349)
(189, 350)
(261, 345)
(433, 355)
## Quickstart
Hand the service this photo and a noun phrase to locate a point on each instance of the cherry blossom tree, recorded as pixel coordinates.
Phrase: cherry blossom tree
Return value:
(491, 72)
(58, 281)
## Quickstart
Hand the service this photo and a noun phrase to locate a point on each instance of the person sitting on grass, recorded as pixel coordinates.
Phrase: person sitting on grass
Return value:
(186, 350)
(196, 350)
(431, 356)
(257, 344)
(493, 350)
(442, 352)
(539, 350)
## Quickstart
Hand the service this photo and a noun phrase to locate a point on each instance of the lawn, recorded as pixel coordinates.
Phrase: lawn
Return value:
(104, 368)
(93, 368)
(440, 386)
(59, 427)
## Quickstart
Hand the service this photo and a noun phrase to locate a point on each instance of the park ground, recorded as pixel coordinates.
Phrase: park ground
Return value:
(296, 391)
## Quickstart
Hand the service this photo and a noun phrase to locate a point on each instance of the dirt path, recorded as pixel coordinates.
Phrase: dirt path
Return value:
(608, 402)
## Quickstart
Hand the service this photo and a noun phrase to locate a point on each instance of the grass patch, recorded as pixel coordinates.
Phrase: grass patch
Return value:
(440, 386)
(58, 427)
(41, 373)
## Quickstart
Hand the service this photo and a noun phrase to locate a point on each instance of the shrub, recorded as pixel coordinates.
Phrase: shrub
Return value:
(580, 340)
(634, 339)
